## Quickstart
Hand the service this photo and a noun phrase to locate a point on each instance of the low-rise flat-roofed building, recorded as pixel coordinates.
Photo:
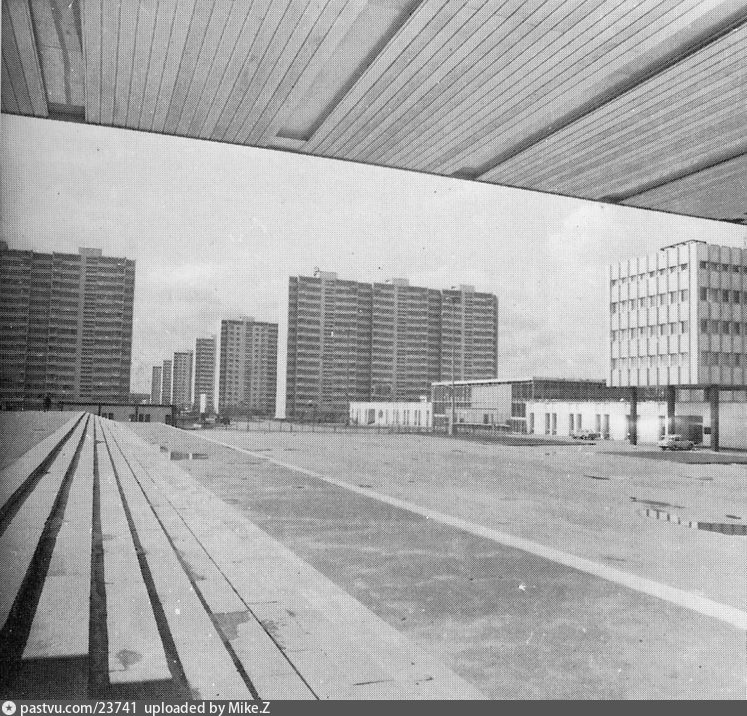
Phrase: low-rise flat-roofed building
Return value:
(415, 415)
(504, 403)
(65, 326)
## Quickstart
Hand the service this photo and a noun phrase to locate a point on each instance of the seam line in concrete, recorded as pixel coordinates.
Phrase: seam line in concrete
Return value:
(703, 605)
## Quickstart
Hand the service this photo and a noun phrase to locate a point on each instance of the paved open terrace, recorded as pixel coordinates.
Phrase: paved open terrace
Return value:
(145, 560)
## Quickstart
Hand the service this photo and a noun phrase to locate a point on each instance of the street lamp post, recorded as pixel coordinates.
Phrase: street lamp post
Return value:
(453, 387)
(452, 428)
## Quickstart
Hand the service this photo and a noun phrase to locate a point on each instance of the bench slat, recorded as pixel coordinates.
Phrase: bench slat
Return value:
(136, 653)
(270, 672)
(207, 664)
(14, 476)
(67, 588)
(19, 541)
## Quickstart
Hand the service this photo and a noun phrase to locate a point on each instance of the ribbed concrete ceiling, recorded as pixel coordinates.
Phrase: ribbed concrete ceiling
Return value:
(639, 102)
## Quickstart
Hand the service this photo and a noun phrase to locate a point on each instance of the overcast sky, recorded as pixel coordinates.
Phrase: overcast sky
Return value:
(216, 230)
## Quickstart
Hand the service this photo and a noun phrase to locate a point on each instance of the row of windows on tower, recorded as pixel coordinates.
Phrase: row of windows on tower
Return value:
(648, 274)
(723, 268)
(660, 361)
(664, 329)
(723, 295)
(660, 299)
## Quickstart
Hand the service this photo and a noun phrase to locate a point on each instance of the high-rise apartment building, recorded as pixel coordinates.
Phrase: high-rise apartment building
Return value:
(406, 340)
(166, 394)
(247, 366)
(65, 326)
(182, 380)
(205, 374)
(679, 317)
(329, 344)
(469, 334)
(352, 341)
(155, 385)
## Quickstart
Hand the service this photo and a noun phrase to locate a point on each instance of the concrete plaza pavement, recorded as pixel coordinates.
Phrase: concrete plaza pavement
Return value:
(510, 622)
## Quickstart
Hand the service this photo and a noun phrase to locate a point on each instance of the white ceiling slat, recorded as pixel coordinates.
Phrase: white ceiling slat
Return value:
(159, 47)
(205, 62)
(296, 84)
(59, 50)
(638, 123)
(128, 23)
(692, 141)
(14, 67)
(146, 26)
(648, 36)
(241, 68)
(271, 42)
(693, 146)
(217, 82)
(464, 65)
(718, 192)
(513, 93)
(415, 24)
(309, 33)
(16, 13)
(91, 21)
(294, 30)
(716, 176)
(182, 22)
(707, 66)
(409, 60)
(9, 103)
(458, 31)
(452, 60)
(642, 108)
(453, 104)
(193, 46)
(109, 42)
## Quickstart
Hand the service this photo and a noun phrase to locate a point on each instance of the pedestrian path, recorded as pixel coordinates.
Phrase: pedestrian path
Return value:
(129, 579)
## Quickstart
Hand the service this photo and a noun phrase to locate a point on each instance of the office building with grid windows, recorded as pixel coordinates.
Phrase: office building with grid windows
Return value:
(679, 317)
(65, 326)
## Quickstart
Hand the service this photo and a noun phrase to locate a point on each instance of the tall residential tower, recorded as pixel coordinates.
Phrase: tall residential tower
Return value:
(155, 385)
(65, 326)
(182, 380)
(205, 374)
(247, 366)
(353, 341)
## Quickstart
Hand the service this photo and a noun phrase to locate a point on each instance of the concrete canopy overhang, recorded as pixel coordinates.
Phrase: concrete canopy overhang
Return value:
(639, 102)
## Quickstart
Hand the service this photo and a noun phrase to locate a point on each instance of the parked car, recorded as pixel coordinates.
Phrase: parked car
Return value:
(585, 435)
(675, 442)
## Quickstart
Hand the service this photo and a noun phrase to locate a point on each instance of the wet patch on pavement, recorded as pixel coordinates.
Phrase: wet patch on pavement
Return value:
(726, 528)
